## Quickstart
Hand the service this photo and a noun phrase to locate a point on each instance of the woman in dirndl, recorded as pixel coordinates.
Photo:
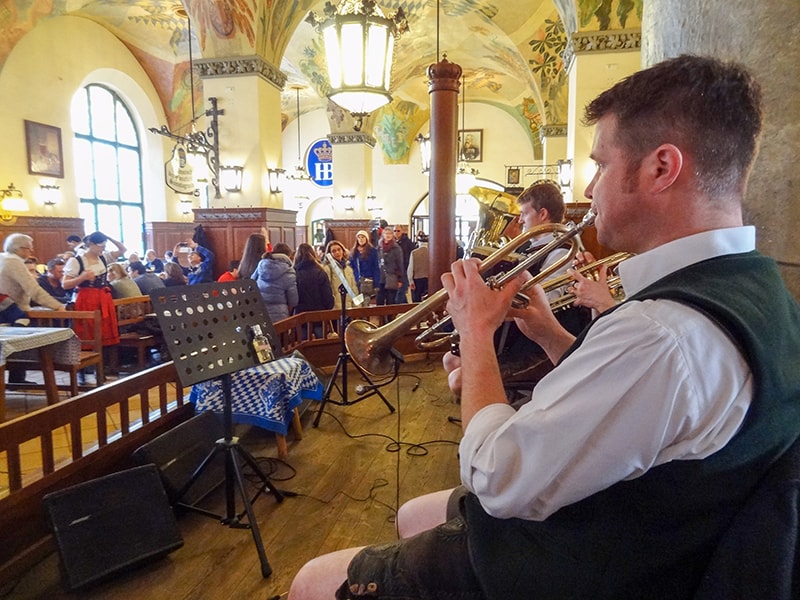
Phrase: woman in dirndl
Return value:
(87, 274)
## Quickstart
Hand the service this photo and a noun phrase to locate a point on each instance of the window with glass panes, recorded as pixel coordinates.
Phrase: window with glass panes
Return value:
(108, 166)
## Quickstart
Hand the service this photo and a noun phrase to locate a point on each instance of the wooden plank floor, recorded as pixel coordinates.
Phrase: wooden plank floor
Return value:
(346, 473)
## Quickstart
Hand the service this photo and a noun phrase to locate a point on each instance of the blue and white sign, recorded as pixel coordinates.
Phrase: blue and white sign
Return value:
(319, 163)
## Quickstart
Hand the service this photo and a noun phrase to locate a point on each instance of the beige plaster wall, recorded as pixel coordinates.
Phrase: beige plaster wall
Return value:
(38, 81)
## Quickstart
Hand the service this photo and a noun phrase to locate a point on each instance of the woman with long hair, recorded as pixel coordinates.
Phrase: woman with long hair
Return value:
(174, 275)
(88, 274)
(313, 285)
(254, 248)
(122, 286)
(338, 253)
(277, 282)
(365, 263)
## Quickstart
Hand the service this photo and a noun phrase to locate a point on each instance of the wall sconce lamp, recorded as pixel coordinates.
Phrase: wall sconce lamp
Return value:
(372, 204)
(348, 201)
(231, 178)
(465, 178)
(12, 201)
(185, 205)
(50, 195)
(424, 151)
(565, 173)
(275, 177)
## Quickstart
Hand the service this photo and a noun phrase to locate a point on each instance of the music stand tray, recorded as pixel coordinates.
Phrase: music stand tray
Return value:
(207, 329)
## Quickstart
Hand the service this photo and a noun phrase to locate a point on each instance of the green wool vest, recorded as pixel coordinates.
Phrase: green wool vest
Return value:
(652, 537)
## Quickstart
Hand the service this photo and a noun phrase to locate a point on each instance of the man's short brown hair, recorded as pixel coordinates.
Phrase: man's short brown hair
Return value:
(544, 194)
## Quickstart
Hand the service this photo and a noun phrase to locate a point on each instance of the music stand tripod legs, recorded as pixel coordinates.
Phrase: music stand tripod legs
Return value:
(341, 367)
(234, 480)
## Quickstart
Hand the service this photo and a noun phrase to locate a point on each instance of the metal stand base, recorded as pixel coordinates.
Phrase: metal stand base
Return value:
(234, 481)
(341, 367)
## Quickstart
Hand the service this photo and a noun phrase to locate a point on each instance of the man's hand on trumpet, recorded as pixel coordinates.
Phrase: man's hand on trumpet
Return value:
(538, 322)
(588, 292)
(477, 311)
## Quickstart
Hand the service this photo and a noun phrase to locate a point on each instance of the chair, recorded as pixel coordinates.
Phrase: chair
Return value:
(759, 554)
(91, 353)
(131, 316)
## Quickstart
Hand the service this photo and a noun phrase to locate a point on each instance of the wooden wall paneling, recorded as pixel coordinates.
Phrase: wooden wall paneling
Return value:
(344, 230)
(575, 213)
(49, 233)
(301, 235)
(228, 228)
(163, 235)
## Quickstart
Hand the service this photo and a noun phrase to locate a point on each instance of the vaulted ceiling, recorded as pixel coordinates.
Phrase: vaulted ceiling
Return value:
(510, 50)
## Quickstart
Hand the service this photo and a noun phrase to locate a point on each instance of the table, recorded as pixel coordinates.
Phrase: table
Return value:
(264, 395)
(54, 344)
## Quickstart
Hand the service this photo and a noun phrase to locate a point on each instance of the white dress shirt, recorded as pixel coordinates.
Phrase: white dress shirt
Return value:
(17, 283)
(652, 382)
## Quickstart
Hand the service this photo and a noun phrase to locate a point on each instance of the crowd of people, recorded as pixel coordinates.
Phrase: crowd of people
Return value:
(95, 269)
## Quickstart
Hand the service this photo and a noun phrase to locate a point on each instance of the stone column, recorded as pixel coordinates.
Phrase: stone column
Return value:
(443, 85)
(248, 89)
(596, 61)
(352, 172)
(554, 145)
(762, 36)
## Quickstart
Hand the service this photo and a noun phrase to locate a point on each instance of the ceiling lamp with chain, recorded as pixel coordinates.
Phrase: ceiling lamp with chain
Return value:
(465, 175)
(299, 173)
(359, 41)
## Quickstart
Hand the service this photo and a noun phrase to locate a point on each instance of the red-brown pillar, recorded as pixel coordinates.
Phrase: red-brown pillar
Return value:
(443, 85)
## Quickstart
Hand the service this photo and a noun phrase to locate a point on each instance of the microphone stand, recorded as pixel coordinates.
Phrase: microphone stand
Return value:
(341, 366)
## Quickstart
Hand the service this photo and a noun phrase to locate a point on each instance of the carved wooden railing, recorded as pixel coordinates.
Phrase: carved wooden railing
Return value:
(155, 396)
(149, 403)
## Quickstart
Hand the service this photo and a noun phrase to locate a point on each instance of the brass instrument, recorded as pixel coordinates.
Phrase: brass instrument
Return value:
(497, 217)
(589, 270)
(370, 346)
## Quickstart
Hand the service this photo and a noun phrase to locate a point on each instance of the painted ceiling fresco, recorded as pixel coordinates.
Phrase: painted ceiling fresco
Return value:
(510, 50)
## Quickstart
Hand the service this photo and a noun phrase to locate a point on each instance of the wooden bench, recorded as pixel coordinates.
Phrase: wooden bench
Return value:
(91, 353)
(130, 313)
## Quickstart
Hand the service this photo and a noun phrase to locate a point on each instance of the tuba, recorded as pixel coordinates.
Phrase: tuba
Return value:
(497, 221)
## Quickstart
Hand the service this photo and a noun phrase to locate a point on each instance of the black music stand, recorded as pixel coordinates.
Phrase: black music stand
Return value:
(207, 330)
(341, 366)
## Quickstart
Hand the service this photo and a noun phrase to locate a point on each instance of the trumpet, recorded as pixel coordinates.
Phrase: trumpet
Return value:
(589, 270)
(370, 346)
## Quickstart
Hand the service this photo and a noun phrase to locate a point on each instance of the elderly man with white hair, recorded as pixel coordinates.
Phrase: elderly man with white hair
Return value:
(16, 281)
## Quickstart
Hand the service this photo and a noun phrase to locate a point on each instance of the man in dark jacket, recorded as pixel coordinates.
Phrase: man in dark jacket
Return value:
(407, 246)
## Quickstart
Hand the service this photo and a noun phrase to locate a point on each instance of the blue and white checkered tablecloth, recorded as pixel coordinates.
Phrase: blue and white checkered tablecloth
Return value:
(265, 395)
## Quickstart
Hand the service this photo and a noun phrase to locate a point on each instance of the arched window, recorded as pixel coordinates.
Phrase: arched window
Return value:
(108, 166)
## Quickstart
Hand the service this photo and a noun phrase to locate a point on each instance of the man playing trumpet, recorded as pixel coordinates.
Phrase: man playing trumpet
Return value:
(620, 476)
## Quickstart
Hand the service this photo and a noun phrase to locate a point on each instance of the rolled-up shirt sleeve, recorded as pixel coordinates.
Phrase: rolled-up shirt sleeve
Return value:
(610, 412)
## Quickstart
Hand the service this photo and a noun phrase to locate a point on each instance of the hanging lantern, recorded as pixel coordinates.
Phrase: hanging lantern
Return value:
(359, 42)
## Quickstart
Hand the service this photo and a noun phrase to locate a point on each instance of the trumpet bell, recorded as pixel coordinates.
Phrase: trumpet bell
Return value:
(368, 348)
(497, 221)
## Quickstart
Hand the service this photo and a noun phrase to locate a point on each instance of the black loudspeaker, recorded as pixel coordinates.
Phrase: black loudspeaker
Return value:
(109, 524)
(178, 452)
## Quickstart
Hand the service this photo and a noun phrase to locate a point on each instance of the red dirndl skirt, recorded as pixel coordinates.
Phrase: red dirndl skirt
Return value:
(92, 298)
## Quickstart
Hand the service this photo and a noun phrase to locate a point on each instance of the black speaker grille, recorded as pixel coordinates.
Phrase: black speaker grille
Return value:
(112, 523)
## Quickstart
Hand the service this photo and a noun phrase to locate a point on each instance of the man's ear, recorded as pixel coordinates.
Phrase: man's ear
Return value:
(663, 166)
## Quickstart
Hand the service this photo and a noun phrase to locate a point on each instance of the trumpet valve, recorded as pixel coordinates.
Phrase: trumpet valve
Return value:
(520, 300)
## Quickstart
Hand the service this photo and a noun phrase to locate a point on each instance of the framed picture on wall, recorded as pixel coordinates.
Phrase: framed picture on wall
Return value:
(471, 145)
(43, 143)
(512, 176)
